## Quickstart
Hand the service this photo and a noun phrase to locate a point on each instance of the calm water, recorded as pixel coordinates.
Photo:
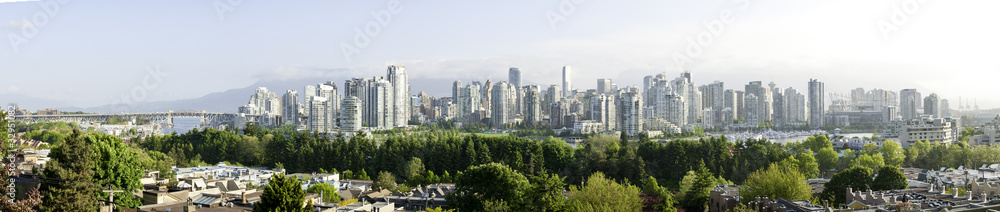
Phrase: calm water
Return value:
(183, 125)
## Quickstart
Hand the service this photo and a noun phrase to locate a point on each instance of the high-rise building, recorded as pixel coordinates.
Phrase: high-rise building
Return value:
(756, 110)
(630, 108)
(603, 86)
(350, 120)
(816, 104)
(932, 105)
(379, 104)
(468, 101)
(329, 92)
(740, 104)
(552, 95)
(603, 111)
(945, 109)
(908, 104)
(318, 110)
(795, 106)
(503, 100)
(532, 104)
(730, 102)
(290, 108)
(400, 95)
(514, 76)
(455, 87)
(487, 98)
(779, 115)
(567, 85)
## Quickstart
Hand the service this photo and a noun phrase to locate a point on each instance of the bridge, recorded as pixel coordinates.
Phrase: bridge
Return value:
(208, 119)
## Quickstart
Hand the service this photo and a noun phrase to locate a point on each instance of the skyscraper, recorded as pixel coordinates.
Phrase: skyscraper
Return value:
(602, 109)
(945, 108)
(779, 114)
(318, 110)
(630, 109)
(932, 105)
(908, 104)
(503, 100)
(567, 85)
(532, 104)
(795, 106)
(756, 109)
(379, 104)
(290, 108)
(816, 105)
(350, 120)
(514, 76)
(400, 95)
(603, 86)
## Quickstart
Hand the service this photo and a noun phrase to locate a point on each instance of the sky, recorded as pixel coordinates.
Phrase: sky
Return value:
(91, 53)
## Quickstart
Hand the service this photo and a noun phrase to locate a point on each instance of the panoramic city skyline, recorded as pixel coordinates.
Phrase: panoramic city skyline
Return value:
(934, 47)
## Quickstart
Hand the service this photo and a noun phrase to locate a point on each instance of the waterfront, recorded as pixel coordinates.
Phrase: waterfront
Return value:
(183, 125)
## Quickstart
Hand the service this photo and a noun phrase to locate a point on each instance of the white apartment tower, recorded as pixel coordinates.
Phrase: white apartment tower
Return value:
(350, 120)
(503, 100)
(630, 109)
(290, 108)
(400, 96)
(603, 111)
(532, 104)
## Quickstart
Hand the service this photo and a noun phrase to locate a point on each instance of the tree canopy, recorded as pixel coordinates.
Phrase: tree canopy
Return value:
(282, 193)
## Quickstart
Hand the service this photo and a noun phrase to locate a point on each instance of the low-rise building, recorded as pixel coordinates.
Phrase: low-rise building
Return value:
(928, 129)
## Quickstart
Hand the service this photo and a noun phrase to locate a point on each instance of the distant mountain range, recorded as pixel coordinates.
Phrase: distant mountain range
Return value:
(227, 101)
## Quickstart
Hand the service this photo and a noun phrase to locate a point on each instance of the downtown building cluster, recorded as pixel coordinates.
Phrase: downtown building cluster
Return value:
(661, 105)
(380, 102)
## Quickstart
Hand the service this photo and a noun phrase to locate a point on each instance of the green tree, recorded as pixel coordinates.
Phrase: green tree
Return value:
(857, 178)
(545, 193)
(328, 191)
(870, 149)
(116, 167)
(779, 180)
(492, 182)
(889, 178)
(70, 177)
(651, 187)
(807, 164)
(870, 161)
(602, 194)
(892, 153)
(385, 180)
(696, 196)
(413, 168)
(817, 142)
(827, 159)
(283, 194)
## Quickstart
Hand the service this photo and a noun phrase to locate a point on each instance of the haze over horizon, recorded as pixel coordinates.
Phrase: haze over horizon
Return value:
(88, 53)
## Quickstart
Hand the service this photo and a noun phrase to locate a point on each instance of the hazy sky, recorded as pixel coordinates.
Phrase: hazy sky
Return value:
(90, 52)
